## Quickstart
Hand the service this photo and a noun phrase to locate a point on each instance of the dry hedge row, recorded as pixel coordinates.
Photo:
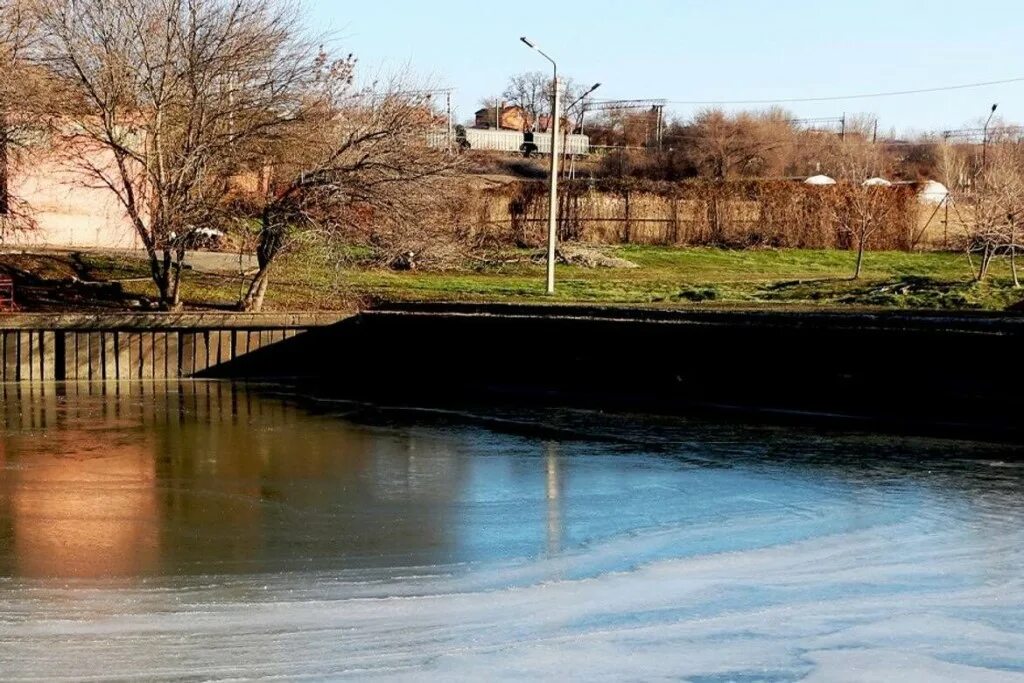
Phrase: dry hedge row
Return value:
(772, 213)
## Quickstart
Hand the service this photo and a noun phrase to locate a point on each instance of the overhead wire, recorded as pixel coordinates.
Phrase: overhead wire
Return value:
(862, 96)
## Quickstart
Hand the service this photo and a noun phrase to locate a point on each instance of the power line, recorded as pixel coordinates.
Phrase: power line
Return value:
(893, 93)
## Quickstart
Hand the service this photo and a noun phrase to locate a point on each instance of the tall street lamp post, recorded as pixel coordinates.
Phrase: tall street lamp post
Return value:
(984, 138)
(553, 191)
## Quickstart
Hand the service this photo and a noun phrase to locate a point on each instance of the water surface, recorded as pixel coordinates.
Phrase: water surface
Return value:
(218, 531)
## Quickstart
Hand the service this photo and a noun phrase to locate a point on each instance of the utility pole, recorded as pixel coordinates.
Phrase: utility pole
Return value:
(448, 112)
(556, 101)
(661, 127)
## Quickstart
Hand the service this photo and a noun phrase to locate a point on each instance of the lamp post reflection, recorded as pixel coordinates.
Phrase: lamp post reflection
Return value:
(554, 498)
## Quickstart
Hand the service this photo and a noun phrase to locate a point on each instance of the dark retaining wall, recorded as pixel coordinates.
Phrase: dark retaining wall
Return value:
(937, 373)
(933, 372)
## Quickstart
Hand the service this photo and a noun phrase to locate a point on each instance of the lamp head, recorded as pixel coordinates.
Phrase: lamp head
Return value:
(527, 42)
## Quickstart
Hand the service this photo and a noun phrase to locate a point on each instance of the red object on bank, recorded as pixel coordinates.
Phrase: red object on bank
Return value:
(7, 294)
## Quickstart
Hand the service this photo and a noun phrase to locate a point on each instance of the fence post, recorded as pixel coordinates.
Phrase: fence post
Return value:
(628, 233)
(674, 226)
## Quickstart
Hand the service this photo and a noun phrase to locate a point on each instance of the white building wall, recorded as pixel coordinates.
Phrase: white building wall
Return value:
(511, 141)
(67, 211)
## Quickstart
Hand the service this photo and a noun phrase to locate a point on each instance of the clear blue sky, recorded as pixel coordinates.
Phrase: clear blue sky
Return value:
(709, 50)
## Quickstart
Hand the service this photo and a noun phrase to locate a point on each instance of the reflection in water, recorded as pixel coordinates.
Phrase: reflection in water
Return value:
(132, 479)
(208, 530)
(90, 512)
(554, 499)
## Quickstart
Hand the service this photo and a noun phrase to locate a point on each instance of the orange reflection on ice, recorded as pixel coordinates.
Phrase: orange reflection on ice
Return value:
(84, 506)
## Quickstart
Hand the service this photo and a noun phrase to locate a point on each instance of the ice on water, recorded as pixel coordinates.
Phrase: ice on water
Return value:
(707, 558)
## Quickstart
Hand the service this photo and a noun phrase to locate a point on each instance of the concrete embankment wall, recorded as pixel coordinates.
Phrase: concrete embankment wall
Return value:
(934, 373)
(931, 372)
(134, 347)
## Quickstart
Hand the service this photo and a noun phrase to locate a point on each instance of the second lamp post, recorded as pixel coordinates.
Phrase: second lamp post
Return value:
(553, 191)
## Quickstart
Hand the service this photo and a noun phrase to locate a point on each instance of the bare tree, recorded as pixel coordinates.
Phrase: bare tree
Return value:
(626, 127)
(995, 206)
(532, 91)
(722, 145)
(1013, 221)
(866, 207)
(358, 170)
(169, 100)
(24, 103)
(854, 159)
(952, 165)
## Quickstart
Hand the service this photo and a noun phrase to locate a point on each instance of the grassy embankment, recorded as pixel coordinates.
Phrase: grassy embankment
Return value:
(667, 277)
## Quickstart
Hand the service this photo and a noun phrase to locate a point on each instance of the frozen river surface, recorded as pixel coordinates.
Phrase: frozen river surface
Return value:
(215, 532)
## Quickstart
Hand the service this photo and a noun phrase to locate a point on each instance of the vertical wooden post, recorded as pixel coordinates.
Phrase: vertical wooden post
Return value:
(137, 357)
(49, 356)
(124, 356)
(3, 358)
(227, 345)
(81, 356)
(627, 229)
(109, 355)
(24, 356)
(159, 355)
(147, 360)
(241, 343)
(173, 354)
(188, 353)
(255, 340)
(70, 358)
(95, 356)
(202, 355)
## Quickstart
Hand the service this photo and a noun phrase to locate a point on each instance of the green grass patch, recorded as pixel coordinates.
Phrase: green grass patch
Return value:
(700, 277)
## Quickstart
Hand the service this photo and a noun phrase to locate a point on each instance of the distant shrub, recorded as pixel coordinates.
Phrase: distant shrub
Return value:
(697, 294)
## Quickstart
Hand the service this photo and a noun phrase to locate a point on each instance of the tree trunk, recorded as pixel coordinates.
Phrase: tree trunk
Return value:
(179, 259)
(1013, 253)
(270, 245)
(252, 302)
(860, 260)
(4, 196)
(173, 301)
(986, 258)
(167, 276)
(159, 275)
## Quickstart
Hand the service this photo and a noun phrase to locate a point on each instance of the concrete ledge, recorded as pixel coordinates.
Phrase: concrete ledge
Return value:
(981, 322)
(168, 321)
